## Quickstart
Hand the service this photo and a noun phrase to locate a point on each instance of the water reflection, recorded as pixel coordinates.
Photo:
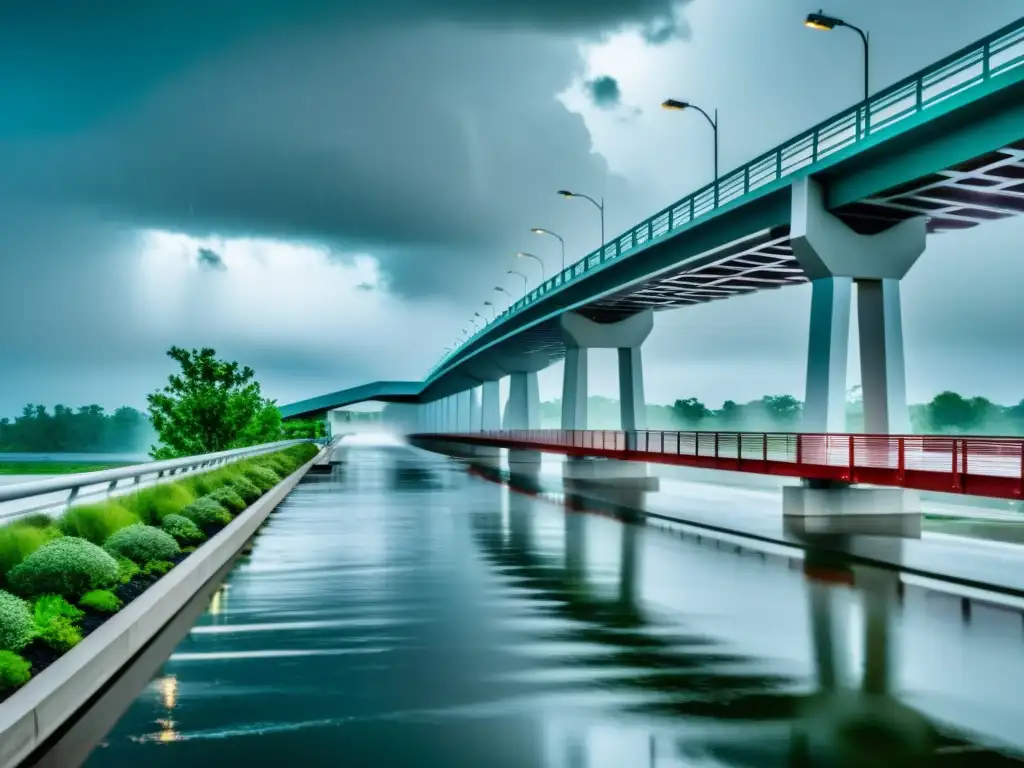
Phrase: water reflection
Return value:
(405, 618)
(168, 693)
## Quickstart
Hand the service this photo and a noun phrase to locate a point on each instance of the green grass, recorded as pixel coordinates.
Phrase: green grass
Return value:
(50, 467)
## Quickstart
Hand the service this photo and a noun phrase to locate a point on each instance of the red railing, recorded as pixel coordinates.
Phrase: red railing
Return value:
(978, 466)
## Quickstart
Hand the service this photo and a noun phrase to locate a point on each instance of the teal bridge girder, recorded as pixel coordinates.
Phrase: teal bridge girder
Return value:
(946, 143)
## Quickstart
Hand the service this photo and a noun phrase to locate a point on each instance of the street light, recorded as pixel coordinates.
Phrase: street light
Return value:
(681, 105)
(526, 283)
(482, 318)
(494, 312)
(511, 298)
(539, 231)
(600, 206)
(826, 23)
(524, 255)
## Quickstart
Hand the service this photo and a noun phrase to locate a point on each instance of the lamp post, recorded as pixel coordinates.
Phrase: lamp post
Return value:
(483, 319)
(526, 283)
(523, 255)
(494, 312)
(681, 105)
(826, 23)
(511, 298)
(600, 206)
(539, 231)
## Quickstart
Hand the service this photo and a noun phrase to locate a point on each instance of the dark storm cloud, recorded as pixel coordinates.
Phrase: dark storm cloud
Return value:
(89, 59)
(208, 259)
(438, 157)
(604, 91)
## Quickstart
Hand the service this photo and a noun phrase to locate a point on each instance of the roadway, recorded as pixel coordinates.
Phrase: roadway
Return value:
(399, 612)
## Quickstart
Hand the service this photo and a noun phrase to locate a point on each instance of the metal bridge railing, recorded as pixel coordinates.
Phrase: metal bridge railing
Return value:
(110, 482)
(983, 466)
(884, 112)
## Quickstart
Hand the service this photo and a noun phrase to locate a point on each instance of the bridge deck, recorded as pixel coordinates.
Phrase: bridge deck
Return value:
(974, 466)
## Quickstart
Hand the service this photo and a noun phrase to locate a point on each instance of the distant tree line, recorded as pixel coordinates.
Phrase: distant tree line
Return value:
(946, 413)
(85, 430)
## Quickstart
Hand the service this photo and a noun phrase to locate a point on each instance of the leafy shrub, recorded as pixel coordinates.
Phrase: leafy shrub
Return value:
(61, 634)
(204, 482)
(245, 488)
(182, 529)
(206, 513)
(228, 498)
(16, 626)
(67, 566)
(152, 505)
(36, 520)
(142, 543)
(49, 607)
(14, 670)
(157, 567)
(96, 522)
(187, 550)
(126, 570)
(55, 619)
(101, 601)
(278, 464)
(262, 477)
(19, 540)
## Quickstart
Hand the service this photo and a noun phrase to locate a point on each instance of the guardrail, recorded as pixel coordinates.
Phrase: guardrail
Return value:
(112, 478)
(978, 466)
(961, 71)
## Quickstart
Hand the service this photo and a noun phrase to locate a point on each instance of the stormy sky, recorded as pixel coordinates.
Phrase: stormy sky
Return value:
(329, 191)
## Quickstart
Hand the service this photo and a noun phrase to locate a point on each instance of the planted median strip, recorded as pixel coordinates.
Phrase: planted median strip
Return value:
(60, 579)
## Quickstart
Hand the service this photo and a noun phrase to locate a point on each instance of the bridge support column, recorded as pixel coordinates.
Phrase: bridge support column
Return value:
(834, 257)
(452, 421)
(490, 410)
(582, 334)
(465, 406)
(574, 389)
(522, 411)
(474, 411)
(523, 408)
(632, 405)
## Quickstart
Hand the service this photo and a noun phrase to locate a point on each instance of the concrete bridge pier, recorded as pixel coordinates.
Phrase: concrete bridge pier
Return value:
(835, 258)
(522, 411)
(474, 410)
(582, 334)
(490, 407)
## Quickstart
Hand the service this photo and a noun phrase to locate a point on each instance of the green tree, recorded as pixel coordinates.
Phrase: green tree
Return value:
(691, 410)
(212, 405)
(949, 411)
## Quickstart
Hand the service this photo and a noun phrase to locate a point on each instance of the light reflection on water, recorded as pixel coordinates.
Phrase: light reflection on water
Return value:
(397, 613)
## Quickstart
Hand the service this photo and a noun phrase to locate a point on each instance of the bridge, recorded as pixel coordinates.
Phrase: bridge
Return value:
(849, 202)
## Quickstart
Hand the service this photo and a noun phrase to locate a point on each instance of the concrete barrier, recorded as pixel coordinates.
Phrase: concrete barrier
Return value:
(37, 710)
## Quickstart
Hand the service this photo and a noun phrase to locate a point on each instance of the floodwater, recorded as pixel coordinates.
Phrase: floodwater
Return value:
(397, 612)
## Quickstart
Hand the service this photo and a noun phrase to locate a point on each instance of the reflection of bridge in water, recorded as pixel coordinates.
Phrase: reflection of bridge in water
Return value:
(735, 712)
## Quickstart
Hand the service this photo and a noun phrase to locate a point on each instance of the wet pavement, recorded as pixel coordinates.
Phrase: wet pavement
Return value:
(397, 612)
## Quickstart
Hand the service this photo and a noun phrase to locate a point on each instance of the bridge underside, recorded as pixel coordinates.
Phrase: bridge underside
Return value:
(986, 188)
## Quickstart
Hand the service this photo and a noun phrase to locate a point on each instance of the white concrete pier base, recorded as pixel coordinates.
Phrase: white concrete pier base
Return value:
(851, 510)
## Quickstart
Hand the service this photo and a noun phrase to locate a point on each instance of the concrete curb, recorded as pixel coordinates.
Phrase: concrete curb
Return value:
(36, 711)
